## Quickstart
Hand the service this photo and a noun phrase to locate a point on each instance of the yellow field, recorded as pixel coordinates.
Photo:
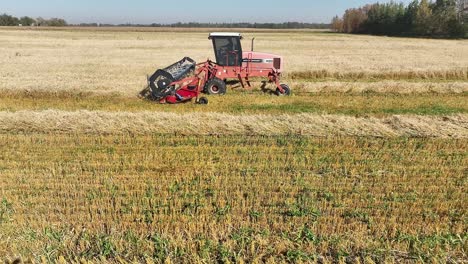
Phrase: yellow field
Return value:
(365, 163)
(116, 61)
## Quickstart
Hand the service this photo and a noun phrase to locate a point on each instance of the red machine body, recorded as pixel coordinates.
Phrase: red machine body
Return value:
(231, 63)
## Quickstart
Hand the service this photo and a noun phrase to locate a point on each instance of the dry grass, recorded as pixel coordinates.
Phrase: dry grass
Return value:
(118, 61)
(99, 122)
(383, 87)
(454, 74)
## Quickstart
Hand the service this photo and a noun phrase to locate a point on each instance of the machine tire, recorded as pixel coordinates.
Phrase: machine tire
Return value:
(215, 86)
(203, 101)
(158, 83)
(287, 90)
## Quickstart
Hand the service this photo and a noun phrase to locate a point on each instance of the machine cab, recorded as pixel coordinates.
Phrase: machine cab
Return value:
(227, 48)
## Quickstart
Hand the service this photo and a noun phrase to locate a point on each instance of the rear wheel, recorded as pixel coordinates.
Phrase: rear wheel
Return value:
(215, 86)
(286, 90)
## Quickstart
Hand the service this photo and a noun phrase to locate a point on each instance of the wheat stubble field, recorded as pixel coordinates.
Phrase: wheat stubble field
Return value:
(365, 163)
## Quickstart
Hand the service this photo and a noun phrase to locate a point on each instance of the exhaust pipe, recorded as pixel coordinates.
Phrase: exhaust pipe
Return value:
(253, 39)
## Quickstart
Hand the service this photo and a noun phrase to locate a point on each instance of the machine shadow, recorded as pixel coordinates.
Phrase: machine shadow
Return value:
(235, 84)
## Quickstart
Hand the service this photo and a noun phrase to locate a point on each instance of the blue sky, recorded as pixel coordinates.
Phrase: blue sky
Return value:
(170, 11)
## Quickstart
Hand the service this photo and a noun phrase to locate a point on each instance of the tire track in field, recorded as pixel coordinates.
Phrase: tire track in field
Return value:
(102, 122)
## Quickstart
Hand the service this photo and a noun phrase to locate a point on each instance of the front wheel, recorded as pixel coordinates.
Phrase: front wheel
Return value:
(286, 90)
(203, 101)
(215, 86)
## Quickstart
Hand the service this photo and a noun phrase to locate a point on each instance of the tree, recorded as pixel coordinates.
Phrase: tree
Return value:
(463, 15)
(438, 18)
(423, 21)
(53, 22)
(27, 21)
(386, 19)
(409, 18)
(354, 19)
(446, 20)
(56, 22)
(41, 22)
(337, 24)
(7, 20)
(462, 12)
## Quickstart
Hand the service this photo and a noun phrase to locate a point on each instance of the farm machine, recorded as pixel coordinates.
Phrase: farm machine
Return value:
(185, 79)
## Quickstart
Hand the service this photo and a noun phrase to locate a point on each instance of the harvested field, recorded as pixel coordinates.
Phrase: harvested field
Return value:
(365, 163)
(233, 198)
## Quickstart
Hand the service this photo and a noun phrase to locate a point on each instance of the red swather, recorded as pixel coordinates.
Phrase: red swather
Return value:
(169, 86)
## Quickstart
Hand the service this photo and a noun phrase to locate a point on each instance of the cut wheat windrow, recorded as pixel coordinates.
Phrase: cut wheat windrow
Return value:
(101, 122)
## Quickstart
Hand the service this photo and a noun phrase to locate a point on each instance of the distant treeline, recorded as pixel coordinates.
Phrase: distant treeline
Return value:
(286, 25)
(442, 18)
(7, 20)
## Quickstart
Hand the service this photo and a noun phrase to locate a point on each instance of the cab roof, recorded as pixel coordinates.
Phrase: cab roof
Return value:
(225, 34)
